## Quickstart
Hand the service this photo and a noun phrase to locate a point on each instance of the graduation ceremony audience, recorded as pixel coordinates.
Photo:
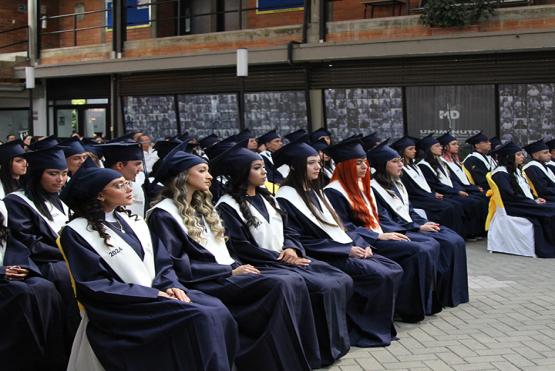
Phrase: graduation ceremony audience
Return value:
(279, 252)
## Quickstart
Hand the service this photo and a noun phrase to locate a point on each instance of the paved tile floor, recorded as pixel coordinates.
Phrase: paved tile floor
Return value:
(509, 323)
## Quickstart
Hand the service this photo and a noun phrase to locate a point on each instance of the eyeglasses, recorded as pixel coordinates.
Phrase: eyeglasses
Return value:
(122, 185)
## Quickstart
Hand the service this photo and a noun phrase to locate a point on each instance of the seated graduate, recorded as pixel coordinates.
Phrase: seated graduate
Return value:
(551, 162)
(74, 152)
(272, 142)
(137, 316)
(30, 310)
(317, 227)
(439, 180)
(328, 166)
(259, 235)
(352, 199)
(438, 209)
(395, 206)
(479, 162)
(36, 216)
(519, 201)
(265, 306)
(12, 167)
(537, 171)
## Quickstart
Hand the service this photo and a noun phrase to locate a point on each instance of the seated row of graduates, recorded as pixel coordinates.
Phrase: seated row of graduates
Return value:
(172, 293)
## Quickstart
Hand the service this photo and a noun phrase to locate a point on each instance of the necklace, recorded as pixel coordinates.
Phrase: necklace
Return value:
(118, 226)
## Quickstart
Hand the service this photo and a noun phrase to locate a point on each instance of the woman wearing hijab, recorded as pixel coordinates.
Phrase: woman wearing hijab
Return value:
(394, 204)
(316, 225)
(259, 235)
(266, 306)
(519, 201)
(30, 310)
(137, 316)
(353, 200)
(37, 214)
(12, 167)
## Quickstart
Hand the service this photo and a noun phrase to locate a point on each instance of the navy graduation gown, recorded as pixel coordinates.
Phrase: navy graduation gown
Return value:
(544, 186)
(328, 287)
(475, 211)
(442, 212)
(376, 280)
(541, 216)
(273, 175)
(132, 328)
(30, 317)
(478, 170)
(418, 260)
(452, 276)
(269, 308)
(29, 228)
(551, 165)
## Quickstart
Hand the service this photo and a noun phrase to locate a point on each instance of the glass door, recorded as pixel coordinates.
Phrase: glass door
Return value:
(67, 121)
(94, 121)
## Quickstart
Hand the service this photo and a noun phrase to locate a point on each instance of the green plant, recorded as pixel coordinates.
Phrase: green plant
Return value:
(456, 13)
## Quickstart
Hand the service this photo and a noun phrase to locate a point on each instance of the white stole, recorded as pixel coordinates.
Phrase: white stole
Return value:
(335, 232)
(139, 200)
(283, 169)
(522, 183)
(60, 218)
(2, 192)
(551, 163)
(216, 247)
(416, 174)
(487, 160)
(547, 171)
(268, 235)
(337, 186)
(4, 213)
(443, 179)
(457, 170)
(400, 206)
(121, 257)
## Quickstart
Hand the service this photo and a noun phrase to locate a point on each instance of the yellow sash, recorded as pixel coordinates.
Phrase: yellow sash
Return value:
(495, 200)
(468, 175)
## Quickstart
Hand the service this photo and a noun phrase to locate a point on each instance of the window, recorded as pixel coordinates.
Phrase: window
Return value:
(154, 115)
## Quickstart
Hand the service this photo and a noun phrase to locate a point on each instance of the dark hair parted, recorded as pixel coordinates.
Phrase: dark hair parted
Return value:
(34, 191)
(298, 180)
(237, 186)
(91, 209)
(8, 182)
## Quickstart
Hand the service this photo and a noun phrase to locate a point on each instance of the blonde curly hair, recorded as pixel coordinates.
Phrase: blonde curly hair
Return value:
(201, 203)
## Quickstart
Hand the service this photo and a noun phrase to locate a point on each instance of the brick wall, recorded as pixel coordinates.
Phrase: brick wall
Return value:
(272, 19)
(10, 18)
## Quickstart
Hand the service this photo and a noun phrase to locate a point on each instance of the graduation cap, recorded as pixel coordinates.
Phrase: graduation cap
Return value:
(446, 138)
(320, 144)
(495, 141)
(400, 144)
(537, 146)
(163, 147)
(245, 134)
(86, 183)
(425, 143)
(177, 161)
(223, 145)
(209, 140)
(49, 158)
(318, 134)
(11, 149)
(293, 136)
(233, 160)
(291, 151)
(380, 155)
(72, 146)
(347, 149)
(477, 138)
(370, 141)
(267, 137)
(115, 152)
(91, 145)
(44, 143)
(507, 149)
(551, 144)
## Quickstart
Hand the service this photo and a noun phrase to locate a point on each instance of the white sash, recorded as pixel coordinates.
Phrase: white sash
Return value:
(337, 186)
(522, 183)
(138, 205)
(551, 163)
(216, 247)
(4, 213)
(547, 171)
(122, 258)
(444, 179)
(60, 219)
(268, 235)
(335, 232)
(416, 175)
(268, 155)
(457, 170)
(327, 172)
(284, 170)
(401, 207)
(2, 193)
(487, 160)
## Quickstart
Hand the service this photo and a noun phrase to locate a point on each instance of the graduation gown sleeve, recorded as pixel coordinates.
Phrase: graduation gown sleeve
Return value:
(478, 171)
(191, 263)
(434, 182)
(543, 185)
